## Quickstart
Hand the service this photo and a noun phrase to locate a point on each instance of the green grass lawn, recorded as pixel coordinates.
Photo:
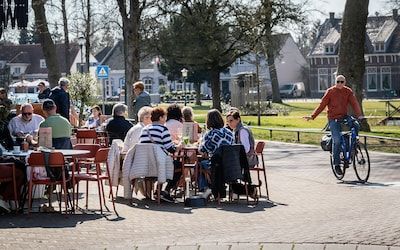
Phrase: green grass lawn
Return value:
(373, 110)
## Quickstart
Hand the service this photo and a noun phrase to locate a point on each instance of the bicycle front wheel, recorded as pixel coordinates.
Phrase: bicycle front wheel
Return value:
(342, 167)
(361, 162)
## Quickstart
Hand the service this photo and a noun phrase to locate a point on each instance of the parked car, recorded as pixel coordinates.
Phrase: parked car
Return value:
(296, 89)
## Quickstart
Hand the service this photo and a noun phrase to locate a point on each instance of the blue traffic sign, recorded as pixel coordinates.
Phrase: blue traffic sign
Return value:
(102, 71)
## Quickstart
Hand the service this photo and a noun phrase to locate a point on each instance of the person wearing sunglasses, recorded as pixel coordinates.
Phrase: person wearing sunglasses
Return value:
(337, 98)
(26, 124)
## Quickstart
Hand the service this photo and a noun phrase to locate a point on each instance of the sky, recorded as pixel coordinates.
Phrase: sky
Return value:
(337, 6)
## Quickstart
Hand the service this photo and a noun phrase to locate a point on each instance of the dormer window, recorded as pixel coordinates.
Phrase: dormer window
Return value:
(379, 47)
(329, 49)
(43, 64)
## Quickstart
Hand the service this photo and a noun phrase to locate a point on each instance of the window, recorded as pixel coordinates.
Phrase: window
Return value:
(1, 65)
(379, 47)
(17, 70)
(333, 76)
(371, 78)
(329, 49)
(43, 64)
(108, 87)
(148, 85)
(386, 82)
(323, 80)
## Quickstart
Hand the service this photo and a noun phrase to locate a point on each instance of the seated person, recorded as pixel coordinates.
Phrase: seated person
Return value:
(174, 122)
(133, 135)
(26, 124)
(187, 113)
(4, 101)
(159, 134)
(243, 135)
(216, 136)
(118, 126)
(60, 126)
(94, 118)
(5, 136)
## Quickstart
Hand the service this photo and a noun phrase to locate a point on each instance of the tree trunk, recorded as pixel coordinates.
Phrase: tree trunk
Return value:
(197, 87)
(130, 26)
(276, 97)
(66, 39)
(216, 89)
(87, 42)
(351, 52)
(47, 44)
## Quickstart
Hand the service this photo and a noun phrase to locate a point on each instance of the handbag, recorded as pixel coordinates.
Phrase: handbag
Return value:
(252, 159)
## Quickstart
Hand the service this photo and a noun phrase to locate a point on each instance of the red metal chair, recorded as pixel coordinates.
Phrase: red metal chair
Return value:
(83, 161)
(260, 167)
(86, 136)
(5, 167)
(56, 161)
(98, 176)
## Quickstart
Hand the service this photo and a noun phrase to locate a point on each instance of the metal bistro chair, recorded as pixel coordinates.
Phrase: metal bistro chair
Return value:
(98, 176)
(4, 167)
(86, 136)
(56, 161)
(260, 167)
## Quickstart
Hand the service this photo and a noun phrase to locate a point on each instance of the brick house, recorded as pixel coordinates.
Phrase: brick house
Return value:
(382, 56)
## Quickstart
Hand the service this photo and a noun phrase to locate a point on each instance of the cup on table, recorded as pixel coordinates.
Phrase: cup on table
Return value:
(17, 149)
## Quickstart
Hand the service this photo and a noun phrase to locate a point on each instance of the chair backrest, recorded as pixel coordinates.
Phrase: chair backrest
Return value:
(93, 148)
(4, 167)
(260, 147)
(101, 155)
(36, 159)
(84, 135)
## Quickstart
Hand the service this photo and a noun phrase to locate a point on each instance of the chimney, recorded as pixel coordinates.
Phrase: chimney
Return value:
(332, 17)
(395, 14)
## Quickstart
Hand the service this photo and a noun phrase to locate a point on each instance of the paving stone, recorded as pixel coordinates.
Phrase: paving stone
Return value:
(214, 247)
(273, 246)
(366, 247)
(183, 247)
(246, 246)
(340, 247)
(308, 247)
(151, 247)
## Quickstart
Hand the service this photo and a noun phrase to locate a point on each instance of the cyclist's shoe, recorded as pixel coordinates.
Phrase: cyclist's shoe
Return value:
(338, 170)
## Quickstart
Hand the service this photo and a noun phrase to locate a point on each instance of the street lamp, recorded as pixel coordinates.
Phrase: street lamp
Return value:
(81, 42)
(184, 76)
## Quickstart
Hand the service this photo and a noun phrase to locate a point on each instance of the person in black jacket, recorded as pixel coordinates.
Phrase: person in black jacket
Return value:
(44, 92)
(118, 126)
(61, 98)
(5, 137)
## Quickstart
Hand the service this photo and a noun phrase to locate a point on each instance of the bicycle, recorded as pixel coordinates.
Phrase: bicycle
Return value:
(352, 151)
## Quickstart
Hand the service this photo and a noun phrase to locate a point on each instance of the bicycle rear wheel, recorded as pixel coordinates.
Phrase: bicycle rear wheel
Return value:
(342, 167)
(361, 162)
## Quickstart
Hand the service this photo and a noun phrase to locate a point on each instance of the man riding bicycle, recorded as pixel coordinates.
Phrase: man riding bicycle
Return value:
(337, 98)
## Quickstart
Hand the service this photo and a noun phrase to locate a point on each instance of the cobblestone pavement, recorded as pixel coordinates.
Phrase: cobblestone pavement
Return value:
(309, 209)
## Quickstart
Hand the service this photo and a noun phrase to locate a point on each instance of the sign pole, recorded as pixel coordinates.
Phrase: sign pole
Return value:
(104, 95)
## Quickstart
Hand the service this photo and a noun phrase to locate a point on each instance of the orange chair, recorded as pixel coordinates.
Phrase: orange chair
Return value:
(5, 167)
(260, 167)
(86, 136)
(83, 161)
(56, 161)
(97, 176)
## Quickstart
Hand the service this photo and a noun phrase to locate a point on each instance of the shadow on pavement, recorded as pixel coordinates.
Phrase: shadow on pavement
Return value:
(365, 184)
(178, 207)
(46, 220)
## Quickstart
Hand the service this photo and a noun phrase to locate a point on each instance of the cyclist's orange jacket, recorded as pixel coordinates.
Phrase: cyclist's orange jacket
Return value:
(337, 101)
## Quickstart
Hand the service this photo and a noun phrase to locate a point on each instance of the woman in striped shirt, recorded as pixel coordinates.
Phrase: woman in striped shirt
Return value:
(156, 132)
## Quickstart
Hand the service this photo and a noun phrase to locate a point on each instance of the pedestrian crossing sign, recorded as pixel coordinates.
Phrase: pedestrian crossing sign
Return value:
(102, 71)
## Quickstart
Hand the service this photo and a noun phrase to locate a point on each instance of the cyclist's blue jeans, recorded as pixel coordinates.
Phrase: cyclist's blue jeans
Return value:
(335, 128)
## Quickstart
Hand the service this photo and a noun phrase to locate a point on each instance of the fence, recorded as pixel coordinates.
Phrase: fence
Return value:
(374, 142)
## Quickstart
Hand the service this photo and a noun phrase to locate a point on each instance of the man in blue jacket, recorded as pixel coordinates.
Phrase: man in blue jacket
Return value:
(61, 98)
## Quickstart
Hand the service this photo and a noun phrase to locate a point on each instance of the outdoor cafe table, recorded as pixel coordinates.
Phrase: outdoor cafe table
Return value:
(65, 152)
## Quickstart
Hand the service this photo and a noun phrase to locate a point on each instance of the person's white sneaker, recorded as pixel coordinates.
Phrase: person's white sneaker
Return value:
(206, 193)
(4, 207)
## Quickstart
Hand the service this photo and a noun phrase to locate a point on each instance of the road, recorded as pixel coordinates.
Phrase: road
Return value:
(309, 209)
